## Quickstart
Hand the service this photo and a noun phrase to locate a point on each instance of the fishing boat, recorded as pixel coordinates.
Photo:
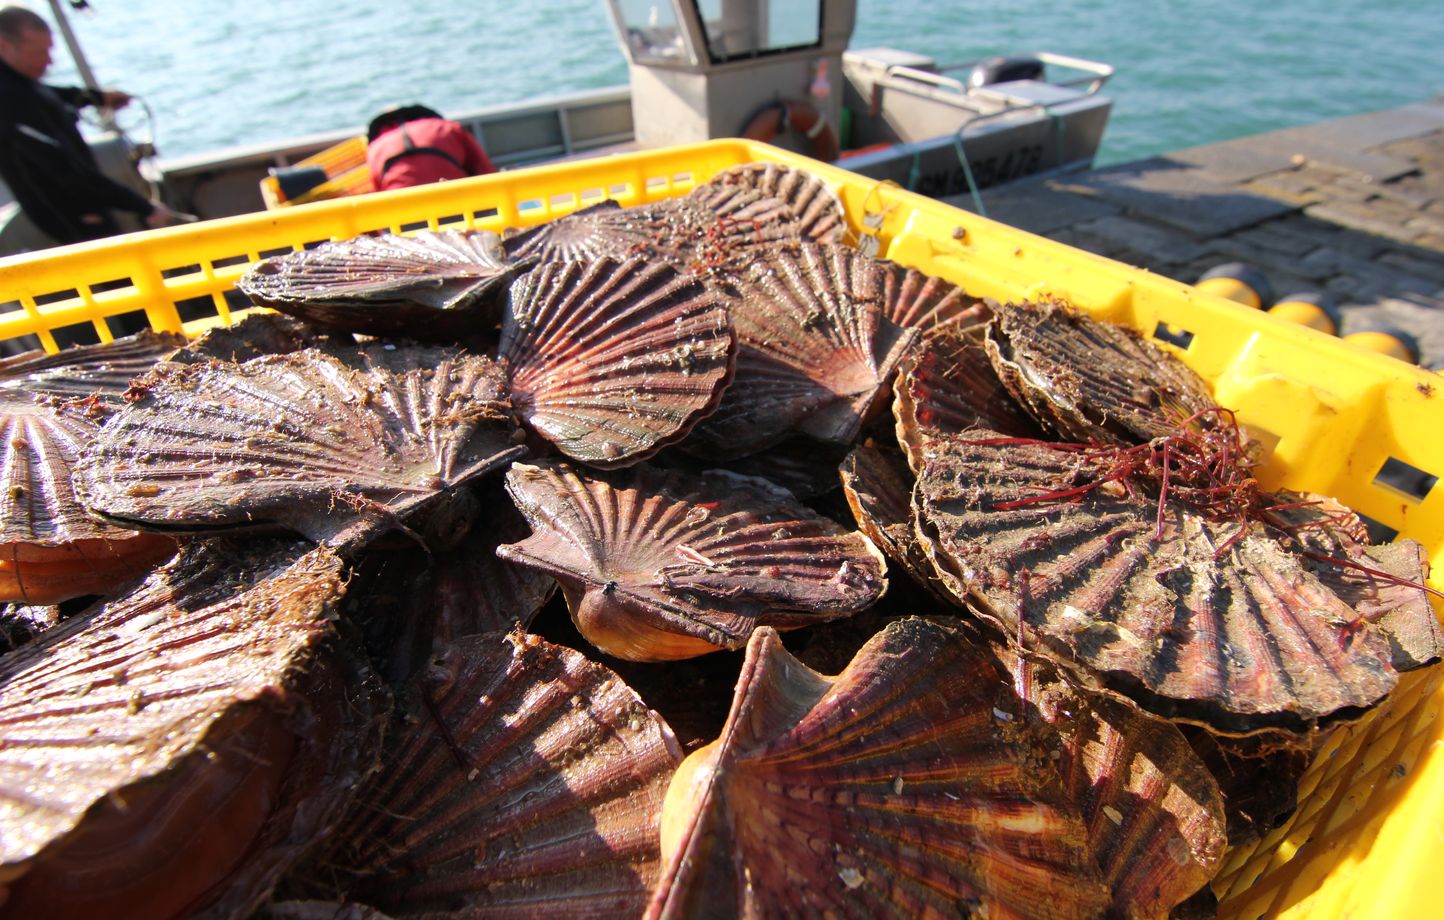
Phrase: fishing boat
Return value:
(698, 69)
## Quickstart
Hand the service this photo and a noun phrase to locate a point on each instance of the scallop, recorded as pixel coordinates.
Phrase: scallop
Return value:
(176, 750)
(612, 360)
(816, 352)
(908, 785)
(1211, 620)
(335, 445)
(879, 493)
(87, 372)
(810, 210)
(946, 385)
(526, 780)
(1094, 381)
(662, 565)
(916, 300)
(1155, 816)
(433, 285)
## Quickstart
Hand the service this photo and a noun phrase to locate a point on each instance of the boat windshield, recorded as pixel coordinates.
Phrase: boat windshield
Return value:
(650, 33)
(738, 29)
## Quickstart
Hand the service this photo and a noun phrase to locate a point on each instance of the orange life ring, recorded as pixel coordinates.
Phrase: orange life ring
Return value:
(794, 115)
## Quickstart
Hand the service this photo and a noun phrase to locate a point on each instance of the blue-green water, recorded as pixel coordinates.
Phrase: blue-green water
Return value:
(219, 73)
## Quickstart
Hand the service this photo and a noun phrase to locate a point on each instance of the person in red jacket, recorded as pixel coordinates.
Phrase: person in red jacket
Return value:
(413, 145)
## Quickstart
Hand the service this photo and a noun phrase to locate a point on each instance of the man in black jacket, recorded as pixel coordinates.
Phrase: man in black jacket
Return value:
(43, 159)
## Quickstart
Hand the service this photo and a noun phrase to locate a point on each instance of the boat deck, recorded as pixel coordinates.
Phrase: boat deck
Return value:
(1353, 207)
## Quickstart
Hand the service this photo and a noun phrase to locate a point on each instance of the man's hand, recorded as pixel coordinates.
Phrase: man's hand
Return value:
(114, 99)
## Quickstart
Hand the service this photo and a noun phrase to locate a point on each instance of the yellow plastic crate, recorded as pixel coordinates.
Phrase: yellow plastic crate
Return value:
(1369, 832)
(346, 174)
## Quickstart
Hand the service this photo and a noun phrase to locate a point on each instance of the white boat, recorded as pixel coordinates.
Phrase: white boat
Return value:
(701, 69)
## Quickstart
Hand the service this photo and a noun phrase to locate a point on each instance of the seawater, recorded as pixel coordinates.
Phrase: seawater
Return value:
(216, 73)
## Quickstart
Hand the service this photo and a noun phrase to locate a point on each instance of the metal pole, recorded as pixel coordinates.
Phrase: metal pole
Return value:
(107, 118)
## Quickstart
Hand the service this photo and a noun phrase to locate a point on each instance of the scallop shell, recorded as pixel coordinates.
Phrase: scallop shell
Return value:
(255, 335)
(434, 285)
(879, 493)
(176, 750)
(99, 372)
(919, 301)
(802, 466)
(1258, 776)
(1190, 616)
(660, 565)
(411, 603)
(815, 351)
(333, 445)
(51, 550)
(812, 210)
(946, 385)
(527, 781)
(1155, 816)
(1090, 380)
(602, 230)
(908, 785)
(611, 361)
(320, 910)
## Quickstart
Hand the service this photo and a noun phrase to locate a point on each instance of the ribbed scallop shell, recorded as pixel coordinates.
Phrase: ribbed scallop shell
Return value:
(816, 351)
(611, 361)
(432, 285)
(1133, 599)
(598, 231)
(813, 212)
(1090, 380)
(178, 749)
(1154, 813)
(527, 781)
(802, 466)
(1258, 775)
(412, 603)
(906, 786)
(99, 371)
(257, 334)
(918, 301)
(946, 385)
(51, 550)
(879, 492)
(659, 565)
(329, 444)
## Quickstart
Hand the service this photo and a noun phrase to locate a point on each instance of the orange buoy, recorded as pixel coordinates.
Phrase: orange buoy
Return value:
(794, 115)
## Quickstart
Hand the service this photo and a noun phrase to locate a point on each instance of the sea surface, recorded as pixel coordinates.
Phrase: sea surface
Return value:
(216, 73)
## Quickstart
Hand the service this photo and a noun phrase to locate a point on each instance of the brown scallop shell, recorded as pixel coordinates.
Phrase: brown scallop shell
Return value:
(746, 193)
(816, 351)
(1258, 775)
(527, 781)
(908, 785)
(1194, 618)
(320, 910)
(173, 752)
(602, 230)
(433, 285)
(1090, 380)
(660, 565)
(879, 492)
(259, 333)
(1155, 816)
(610, 361)
(101, 371)
(333, 445)
(51, 550)
(411, 603)
(946, 385)
(919, 301)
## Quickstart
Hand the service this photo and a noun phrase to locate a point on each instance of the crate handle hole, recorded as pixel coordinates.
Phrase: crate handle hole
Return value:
(1405, 478)
(1173, 335)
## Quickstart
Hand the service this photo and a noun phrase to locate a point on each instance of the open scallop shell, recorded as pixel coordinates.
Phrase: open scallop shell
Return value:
(660, 565)
(411, 603)
(333, 445)
(178, 749)
(1190, 616)
(946, 385)
(1090, 380)
(816, 351)
(611, 361)
(434, 285)
(527, 781)
(1154, 813)
(908, 785)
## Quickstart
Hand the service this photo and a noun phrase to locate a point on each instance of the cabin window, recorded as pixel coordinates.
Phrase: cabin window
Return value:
(650, 33)
(739, 29)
